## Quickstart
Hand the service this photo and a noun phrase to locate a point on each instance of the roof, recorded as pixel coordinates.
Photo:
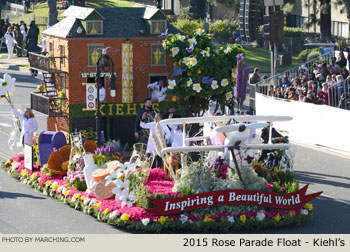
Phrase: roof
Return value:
(79, 12)
(119, 22)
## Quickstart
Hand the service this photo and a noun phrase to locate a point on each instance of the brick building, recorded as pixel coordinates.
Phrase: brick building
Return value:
(74, 45)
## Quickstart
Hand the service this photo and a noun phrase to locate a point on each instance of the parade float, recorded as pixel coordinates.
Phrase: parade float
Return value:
(232, 183)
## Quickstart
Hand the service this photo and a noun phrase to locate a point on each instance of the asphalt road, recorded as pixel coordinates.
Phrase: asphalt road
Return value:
(24, 211)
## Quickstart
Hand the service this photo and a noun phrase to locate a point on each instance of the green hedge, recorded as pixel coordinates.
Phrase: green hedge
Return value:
(223, 28)
(188, 26)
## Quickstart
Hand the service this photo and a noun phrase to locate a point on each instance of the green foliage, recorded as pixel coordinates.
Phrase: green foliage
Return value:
(303, 55)
(100, 159)
(77, 184)
(47, 172)
(312, 55)
(223, 28)
(188, 26)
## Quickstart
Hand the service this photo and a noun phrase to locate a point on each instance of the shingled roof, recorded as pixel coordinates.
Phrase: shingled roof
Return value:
(119, 22)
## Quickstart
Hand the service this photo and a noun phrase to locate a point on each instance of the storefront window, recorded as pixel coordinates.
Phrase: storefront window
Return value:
(158, 55)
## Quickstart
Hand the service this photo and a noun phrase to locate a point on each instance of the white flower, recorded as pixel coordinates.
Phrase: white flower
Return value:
(64, 190)
(192, 61)
(122, 185)
(189, 82)
(60, 189)
(92, 202)
(113, 215)
(186, 60)
(112, 177)
(6, 84)
(118, 192)
(199, 31)
(86, 201)
(224, 82)
(127, 198)
(192, 42)
(175, 51)
(304, 212)
(229, 95)
(171, 84)
(54, 184)
(180, 37)
(183, 218)
(260, 215)
(205, 53)
(227, 50)
(145, 221)
(197, 87)
(234, 73)
(231, 219)
(214, 84)
(15, 166)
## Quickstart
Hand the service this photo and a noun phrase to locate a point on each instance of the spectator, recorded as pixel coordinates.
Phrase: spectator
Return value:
(32, 37)
(344, 72)
(255, 78)
(310, 98)
(342, 62)
(10, 42)
(286, 83)
(19, 41)
(314, 87)
(270, 91)
(292, 95)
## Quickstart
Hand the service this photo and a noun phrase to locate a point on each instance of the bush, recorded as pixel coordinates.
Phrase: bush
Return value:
(304, 54)
(312, 55)
(223, 28)
(188, 26)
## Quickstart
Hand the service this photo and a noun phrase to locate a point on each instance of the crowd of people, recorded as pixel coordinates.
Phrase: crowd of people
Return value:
(326, 83)
(18, 37)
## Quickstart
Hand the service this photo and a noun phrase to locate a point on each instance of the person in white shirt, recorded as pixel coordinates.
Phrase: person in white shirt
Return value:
(152, 126)
(10, 42)
(158, 90)
(102, 93)
(30, 125)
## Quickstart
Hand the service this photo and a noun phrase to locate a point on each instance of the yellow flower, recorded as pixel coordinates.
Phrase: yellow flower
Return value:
(277, 217)
(24, 172)
(189, 82)
(291, 213)
(39, 179)
(163, 219)
(82, 198)
(243, 218)
(174, 51)
(9, 162)
(188, 73)
(106, 211)
(48, 183)
(180, 60)
(125, 217)
(208, 218)
(175, 63)
(308, 206)
(33, 176)
(55, 186)
(199, 71)
(75, 197)
(98, 204)
(174, 98)
(67, 193)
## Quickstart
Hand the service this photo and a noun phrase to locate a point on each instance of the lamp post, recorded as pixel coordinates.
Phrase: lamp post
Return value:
(104, 64)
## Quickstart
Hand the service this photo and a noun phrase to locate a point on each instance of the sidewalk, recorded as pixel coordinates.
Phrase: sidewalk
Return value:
(15, 64)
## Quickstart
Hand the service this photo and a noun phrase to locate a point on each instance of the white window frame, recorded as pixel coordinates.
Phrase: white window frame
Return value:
(98, 44)
(94, 21)
(158, 21)
(157, 44)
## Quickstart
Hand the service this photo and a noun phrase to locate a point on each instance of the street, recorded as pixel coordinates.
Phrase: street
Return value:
(23, 210)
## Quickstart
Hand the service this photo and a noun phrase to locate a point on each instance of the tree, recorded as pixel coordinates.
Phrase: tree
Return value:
(202, 71)
(232, 4)
(2, 2)
(325, 21)
(52, 12)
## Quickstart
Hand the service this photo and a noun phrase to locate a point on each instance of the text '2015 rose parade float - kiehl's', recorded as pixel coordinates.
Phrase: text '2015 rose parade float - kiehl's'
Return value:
(197, 170)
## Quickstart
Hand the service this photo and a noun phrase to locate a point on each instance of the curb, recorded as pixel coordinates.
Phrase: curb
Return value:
(13, 68)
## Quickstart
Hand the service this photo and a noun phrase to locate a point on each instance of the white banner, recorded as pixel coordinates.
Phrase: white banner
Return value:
(91, 94)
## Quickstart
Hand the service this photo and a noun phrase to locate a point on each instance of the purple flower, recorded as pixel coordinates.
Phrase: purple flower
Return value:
(164, 35)
(177, 71)
(207, 80)
(190, 49)
(241, 80)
